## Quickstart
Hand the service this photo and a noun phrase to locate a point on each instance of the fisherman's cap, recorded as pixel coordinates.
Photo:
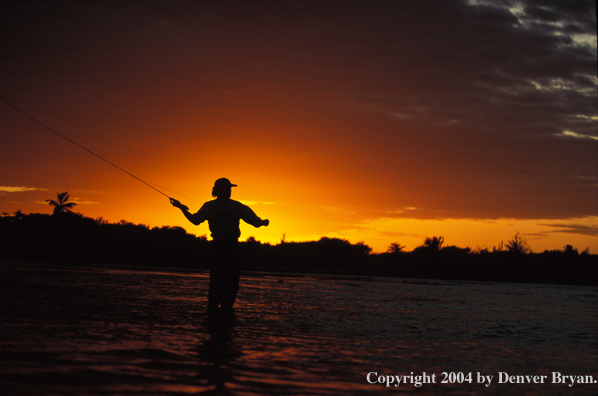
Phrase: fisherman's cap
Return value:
(223, 182)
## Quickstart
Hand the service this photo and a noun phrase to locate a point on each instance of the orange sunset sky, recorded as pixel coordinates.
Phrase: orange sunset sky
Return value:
(373, 121)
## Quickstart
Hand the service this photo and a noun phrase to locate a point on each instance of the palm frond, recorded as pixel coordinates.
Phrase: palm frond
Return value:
(63, 197)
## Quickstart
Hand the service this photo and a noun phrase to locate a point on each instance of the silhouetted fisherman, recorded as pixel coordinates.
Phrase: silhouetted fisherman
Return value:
(223, 216)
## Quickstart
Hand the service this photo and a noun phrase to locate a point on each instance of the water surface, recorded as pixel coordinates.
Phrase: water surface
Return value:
(82, 331)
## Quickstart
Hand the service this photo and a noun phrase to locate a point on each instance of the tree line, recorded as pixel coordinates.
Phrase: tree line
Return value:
(65, 237)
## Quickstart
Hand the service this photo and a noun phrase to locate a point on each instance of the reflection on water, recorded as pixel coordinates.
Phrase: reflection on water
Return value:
(217, 353)
(106, 332)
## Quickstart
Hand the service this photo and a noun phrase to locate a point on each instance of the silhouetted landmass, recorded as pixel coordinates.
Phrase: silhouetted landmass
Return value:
(71, 238)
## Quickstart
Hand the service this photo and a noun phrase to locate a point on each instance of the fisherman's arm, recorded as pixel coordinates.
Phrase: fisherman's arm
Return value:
(196, 218)
(250, 217)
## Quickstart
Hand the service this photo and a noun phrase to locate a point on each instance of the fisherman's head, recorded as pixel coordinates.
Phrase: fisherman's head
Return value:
(222, 188)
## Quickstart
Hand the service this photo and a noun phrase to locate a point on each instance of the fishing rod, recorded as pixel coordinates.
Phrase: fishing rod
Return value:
(93, 153)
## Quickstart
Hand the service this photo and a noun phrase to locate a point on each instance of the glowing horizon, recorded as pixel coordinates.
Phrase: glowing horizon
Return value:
(379, 233)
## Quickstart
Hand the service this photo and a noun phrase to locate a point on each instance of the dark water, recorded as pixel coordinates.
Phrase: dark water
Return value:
(69, 331)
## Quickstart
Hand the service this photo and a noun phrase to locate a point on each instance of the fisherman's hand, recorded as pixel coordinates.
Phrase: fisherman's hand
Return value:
(177, 204)
(265, 222)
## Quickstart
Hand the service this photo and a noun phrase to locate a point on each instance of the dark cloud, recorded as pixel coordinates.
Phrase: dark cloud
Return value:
(573, 229)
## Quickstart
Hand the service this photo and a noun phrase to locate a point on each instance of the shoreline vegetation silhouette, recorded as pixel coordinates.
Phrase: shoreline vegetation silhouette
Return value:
(67, 237)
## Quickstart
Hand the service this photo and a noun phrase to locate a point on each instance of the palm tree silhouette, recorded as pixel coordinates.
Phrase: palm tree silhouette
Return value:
(395, 248)
(518, 245)
(62, 205)
(434, 244)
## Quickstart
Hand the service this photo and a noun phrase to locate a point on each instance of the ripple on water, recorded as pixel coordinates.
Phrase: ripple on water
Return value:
(98, 332)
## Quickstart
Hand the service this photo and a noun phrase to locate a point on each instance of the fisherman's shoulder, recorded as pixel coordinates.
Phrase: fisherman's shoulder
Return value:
(240, 206)
(237, 203)
(208, 205)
